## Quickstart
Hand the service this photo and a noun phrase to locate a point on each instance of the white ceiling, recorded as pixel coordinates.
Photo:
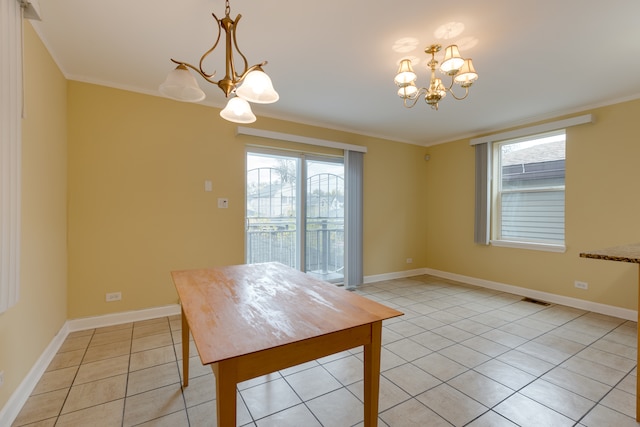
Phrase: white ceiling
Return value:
(333, 62)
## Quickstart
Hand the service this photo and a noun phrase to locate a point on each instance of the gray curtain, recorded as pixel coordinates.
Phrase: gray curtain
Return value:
(354, 166)
(11, 103)
(481, 225)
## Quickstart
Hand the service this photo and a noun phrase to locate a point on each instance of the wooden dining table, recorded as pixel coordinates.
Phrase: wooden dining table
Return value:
(254, 319)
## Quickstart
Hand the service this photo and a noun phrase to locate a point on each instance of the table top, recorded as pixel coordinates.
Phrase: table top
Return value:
(624, 253)
(241, 309)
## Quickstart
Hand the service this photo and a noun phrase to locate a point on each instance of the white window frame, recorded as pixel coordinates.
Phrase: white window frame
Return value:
(497, 192)
(484, 177)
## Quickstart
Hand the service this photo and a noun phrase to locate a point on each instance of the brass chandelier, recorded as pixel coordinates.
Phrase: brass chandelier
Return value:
(459, 69)
(250, 85)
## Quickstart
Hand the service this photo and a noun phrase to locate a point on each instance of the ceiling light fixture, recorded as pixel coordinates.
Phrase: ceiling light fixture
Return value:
(251, 85)
(459, 69)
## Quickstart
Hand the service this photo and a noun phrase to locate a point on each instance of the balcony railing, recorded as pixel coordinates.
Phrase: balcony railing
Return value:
(274, 239)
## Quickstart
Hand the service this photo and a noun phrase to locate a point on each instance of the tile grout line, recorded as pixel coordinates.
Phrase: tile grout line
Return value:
(515, 348)
(454, 294)
(74, 378)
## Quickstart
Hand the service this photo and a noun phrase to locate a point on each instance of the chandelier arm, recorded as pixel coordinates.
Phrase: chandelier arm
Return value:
(258, 67)
(413, 101)
(207, 77)
(466, 93)
(450, 86)
(202, 58)
(235, 43)
(237, 78)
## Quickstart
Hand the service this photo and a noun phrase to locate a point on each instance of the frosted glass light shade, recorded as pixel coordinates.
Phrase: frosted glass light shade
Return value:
(452, 60)
(238, 110)
(257, 87)
(182, 86)
(405, 74)
(466, 75)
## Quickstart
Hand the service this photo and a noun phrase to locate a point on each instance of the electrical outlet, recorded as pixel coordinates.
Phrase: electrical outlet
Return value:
(114, 296)
(409, 260)
(1, 378)
(223, 203)
(581, 285)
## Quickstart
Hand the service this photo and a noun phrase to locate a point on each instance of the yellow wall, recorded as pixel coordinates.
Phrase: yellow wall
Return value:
(138, 209)
(602, 207)
(27, 328)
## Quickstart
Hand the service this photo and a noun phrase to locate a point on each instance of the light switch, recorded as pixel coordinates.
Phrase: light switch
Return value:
(208, 186)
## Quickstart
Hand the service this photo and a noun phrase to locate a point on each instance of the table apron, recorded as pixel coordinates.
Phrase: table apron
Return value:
(274, 359)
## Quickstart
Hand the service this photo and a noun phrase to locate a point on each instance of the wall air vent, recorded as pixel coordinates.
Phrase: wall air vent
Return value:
(535, 301)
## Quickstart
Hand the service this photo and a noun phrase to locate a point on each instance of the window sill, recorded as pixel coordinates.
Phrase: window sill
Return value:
(545, 247)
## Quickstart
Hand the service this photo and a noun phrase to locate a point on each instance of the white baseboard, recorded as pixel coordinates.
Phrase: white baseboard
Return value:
(609, 310)
(396, 275)
(85, 323)
(19, 397)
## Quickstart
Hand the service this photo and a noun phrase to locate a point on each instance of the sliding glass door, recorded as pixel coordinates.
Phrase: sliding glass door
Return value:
(295, 212)
(324, 219)
(272, 207)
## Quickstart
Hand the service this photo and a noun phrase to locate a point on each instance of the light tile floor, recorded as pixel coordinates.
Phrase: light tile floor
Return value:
(460, 355)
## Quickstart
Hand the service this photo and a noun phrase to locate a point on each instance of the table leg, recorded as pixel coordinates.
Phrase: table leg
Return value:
(372, 375)
(226, 384)
(185, 350)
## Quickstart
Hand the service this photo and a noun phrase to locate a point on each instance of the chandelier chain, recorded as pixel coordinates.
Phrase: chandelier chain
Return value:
(227, 8)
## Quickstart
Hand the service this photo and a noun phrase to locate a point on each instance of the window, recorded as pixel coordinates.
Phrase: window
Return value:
(519, 196)
(528, 191)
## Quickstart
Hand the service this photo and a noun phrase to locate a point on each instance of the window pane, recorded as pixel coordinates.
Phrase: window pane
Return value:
(271, 209)
(530, 191)
(533, 216)
(324, 252)
(535, 163)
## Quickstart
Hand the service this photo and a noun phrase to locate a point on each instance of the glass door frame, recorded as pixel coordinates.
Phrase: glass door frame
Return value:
(301, 159)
